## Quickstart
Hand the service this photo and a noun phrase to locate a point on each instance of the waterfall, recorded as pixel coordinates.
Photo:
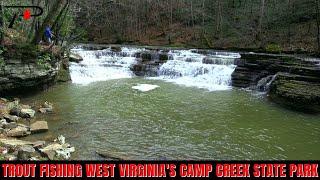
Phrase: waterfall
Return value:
(206, 69)
(102, 65)
(210, 71)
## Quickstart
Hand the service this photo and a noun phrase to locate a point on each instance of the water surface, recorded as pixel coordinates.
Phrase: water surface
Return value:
(193, 112)
(177, 122)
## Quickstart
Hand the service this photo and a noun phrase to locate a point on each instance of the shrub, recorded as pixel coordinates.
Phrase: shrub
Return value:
(273, 48)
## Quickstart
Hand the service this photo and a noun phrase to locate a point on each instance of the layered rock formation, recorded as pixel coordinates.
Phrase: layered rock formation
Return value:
(295, 82)
(149, 63)
(23, 70)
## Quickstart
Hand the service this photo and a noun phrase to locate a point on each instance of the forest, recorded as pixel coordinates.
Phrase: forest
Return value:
(269, 25)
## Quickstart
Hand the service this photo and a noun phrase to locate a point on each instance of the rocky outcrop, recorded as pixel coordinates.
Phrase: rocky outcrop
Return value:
(24, 69)
(296, 81)
(17, 75)
(299, 92)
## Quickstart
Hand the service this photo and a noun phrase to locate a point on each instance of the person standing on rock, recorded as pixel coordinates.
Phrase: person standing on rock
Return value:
(48, 34)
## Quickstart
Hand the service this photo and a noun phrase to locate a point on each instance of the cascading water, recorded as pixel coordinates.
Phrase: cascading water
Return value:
(102, 65)
(210, 70)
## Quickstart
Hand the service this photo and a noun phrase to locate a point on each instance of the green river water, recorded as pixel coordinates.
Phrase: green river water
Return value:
(176, 122)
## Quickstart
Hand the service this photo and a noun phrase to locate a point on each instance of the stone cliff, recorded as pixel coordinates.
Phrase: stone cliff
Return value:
(295, 82)
(23, 69)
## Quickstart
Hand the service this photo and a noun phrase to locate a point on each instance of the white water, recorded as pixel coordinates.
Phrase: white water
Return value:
(188, 68)
(102, 65)
(185, 67)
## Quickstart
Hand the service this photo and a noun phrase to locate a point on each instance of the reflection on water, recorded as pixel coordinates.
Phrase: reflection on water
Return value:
(176, 122)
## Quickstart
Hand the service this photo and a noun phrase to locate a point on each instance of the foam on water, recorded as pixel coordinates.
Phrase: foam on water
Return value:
(145, 87)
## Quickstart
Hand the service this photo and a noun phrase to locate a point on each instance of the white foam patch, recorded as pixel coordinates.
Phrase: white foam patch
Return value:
(145, 87)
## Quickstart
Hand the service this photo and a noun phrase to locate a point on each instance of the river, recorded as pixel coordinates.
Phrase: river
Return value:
(191, 112)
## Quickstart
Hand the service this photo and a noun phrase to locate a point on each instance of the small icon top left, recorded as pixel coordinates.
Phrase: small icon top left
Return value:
(26, 14)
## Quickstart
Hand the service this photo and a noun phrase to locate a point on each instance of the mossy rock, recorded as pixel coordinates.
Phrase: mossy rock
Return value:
(299, 95)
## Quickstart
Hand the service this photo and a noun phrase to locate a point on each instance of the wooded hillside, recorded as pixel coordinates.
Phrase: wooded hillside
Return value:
(272, 24)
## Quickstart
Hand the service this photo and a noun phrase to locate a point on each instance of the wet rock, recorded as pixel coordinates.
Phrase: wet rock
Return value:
(11, 118)
(27, 113)
(57, 150)
(14, 142)
(2, 131)
(163, 57)
(146, 56)
(15, 111)
(116, 49)
(39, 127)
(39, 144)
(18, 132)
(300, 95)
(26, 152)
(11, 125)
(10, 157)
(73, 57)
(46, 108)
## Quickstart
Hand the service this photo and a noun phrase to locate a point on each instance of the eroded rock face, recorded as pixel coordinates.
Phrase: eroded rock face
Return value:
(21, 75)
(296, 83)
(17, 74)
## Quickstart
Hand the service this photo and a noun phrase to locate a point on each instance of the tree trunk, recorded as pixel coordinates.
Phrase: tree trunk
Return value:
(54, 10)
(58, 19)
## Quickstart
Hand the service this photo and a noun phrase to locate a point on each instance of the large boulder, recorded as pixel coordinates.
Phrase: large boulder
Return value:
(39, 126)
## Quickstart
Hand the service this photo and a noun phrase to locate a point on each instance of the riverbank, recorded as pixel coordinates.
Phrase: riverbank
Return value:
(18, 120)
